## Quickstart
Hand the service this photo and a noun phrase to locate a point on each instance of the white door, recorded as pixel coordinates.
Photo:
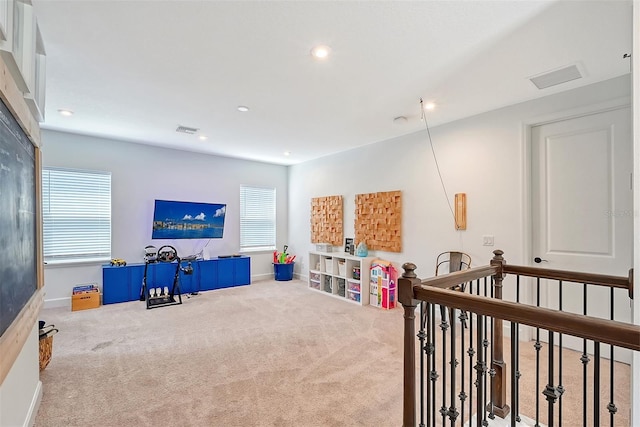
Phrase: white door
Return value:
(582, 208)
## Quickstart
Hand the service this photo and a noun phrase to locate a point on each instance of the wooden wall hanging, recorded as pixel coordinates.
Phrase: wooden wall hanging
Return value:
(378, 220)
(326, 220)
(461, 211)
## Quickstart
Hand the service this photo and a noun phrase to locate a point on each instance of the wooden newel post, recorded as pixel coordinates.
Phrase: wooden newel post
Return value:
(499, 380)
(405, 296)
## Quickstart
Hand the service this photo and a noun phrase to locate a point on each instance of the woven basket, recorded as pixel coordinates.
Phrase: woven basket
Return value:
(46, 348)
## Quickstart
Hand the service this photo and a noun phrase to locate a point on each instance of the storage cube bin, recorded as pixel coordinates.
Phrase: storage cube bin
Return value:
(314, 276)
(328, 265)
(341, 287)
(341, 268)
(354, 286)
(327, 284)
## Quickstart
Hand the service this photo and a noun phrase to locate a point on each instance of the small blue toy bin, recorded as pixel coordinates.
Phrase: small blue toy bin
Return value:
(283, 272)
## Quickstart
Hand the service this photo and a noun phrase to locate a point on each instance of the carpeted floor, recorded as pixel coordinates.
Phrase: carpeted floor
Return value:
(268, 354)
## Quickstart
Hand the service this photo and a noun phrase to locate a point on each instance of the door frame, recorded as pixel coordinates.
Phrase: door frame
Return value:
(527, 126)
(526, 176)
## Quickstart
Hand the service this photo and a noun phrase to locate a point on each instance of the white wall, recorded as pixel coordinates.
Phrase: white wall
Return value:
(21, 391)
(481, 156)
(139, 175)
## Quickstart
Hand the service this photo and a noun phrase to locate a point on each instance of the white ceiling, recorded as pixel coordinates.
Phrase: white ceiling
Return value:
(135, 70)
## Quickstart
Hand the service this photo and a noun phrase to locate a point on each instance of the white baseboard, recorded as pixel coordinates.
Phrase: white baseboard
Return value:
(35, 405)
(57, 302)
(260, 277)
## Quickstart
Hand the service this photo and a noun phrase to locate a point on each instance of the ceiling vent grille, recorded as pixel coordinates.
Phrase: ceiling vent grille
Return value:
(187, 130)
(556, 77)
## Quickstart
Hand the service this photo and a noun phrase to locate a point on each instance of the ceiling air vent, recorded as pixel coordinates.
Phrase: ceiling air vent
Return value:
(555, 77)
(185, 129)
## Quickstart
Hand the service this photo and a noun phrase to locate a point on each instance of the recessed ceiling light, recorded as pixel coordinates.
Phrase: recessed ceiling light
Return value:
(203, 137)
(65, 113)
(243, 108)
(320, 52)
(429, 106)
(287, 153)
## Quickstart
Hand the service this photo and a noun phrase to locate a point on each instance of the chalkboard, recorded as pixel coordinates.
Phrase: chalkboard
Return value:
(18, 246)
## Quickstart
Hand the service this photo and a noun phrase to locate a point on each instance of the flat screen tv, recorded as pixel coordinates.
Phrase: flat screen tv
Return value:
(188, 220)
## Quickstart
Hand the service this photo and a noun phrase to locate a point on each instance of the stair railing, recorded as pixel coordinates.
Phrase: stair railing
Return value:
(481, 312)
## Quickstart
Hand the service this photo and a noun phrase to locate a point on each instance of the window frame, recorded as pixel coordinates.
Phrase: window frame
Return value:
(92, 208)
(258, 246)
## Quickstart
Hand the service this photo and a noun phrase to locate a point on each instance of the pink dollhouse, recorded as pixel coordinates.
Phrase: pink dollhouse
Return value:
(383, 278)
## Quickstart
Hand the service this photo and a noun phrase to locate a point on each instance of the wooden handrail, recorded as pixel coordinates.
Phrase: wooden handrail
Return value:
(605, 331)
(569, 276)
(453, 279)
(450, 280)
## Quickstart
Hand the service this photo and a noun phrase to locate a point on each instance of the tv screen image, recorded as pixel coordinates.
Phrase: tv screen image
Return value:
(188, 220)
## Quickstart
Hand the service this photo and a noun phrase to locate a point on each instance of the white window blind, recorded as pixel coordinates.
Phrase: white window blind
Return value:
(76, 213)
(257, 218)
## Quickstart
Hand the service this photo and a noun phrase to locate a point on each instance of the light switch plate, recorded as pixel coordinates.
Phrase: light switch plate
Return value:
(487, 240)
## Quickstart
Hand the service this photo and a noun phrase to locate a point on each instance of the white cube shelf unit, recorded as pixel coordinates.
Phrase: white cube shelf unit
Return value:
(340, 275)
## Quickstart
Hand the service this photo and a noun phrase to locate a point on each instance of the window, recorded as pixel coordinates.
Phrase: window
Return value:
(257, 218)
(76, 212)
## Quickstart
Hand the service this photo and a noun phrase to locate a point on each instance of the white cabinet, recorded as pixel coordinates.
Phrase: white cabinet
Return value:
(22, 50)
(340, 275)
(35, 97)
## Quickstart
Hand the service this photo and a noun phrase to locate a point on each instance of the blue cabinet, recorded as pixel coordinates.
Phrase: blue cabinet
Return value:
(208, 275)
(242, 270)
(120, 284)
(115, 284)
(234, 271)
(226, 272)
(189, 283)
(136, 273)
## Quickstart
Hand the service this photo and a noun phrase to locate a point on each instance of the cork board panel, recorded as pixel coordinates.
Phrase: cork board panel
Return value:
(326, 220)
(378, 220)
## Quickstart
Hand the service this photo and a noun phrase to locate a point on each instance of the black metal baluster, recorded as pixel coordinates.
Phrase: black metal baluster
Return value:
(584, 359)
(516, 366)
(611, 407)
(550, 391)
(480, 370)
(433, 375)
(560, 388)
(444, 325)
(596, 383)
(537, 346)
(485, 344)
(424, 309)
(453, 411)
(471, 352)
(462, 396)
(514, 382)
